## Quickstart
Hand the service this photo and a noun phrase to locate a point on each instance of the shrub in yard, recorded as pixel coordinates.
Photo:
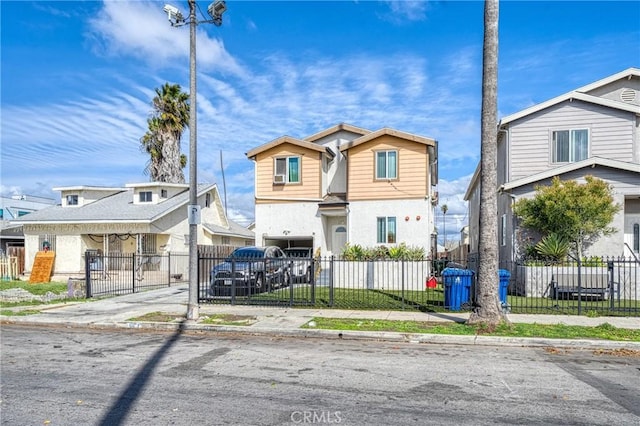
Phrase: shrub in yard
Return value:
(553, 247)
(353, 252)
(400, 252)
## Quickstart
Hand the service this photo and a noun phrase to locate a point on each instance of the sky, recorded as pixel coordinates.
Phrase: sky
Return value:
(78, 78)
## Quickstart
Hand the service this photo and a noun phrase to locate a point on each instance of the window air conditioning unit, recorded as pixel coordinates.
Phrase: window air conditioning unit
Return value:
(278, 178)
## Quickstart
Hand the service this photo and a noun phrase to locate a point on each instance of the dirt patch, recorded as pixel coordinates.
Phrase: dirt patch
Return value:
(218, 319)
(618, 352)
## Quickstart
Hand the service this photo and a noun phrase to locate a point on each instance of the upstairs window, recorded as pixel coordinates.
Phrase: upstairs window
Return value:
(387, 165)
(287, 170)
(145, 196)
(163, 193)
(72, 200)
(386, 230)
(569, 146)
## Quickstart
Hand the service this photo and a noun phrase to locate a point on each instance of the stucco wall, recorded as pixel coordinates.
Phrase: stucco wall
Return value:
(362, 222)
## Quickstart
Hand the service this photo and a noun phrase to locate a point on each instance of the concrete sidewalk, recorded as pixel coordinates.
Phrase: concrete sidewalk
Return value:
(116, 312)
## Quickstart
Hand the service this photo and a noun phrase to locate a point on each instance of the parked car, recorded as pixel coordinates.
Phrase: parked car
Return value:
(300, 263)
(251, 270)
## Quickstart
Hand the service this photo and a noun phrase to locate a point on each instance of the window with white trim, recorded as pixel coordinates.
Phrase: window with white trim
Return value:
(72, 200)
(145, 196)
(386, 164)
(226, 241)
(503, 230)
(386, 230)
(569, 146)
(287, 170)
(636, 237)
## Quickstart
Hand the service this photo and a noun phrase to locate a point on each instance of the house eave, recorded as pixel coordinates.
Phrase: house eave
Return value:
(590, 162)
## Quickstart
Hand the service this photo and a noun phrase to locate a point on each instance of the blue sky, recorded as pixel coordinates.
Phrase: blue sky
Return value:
(78, 78)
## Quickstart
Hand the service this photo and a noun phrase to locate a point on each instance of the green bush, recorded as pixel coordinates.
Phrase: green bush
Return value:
(553, 247)
(400, 252)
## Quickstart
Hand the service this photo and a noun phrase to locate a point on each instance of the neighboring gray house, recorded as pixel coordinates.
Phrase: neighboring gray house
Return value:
(593, 130)
(12, 208)
(142, 218)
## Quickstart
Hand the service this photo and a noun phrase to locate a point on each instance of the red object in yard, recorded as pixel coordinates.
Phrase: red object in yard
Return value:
(432, 283)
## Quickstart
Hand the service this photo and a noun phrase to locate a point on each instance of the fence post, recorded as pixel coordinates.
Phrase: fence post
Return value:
(312, 278)
(331, 266)
(579, 286)
(169, 270)
(402, 280)
(87, 275)
(611, 283)
(290, 288)
(134, 268)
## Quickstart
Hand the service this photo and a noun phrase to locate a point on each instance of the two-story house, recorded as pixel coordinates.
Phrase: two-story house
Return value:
(593, 130)
(345, 185)
(141, 218)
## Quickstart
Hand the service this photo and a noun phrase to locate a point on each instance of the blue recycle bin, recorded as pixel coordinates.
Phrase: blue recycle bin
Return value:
(504, 284)
(457, 283)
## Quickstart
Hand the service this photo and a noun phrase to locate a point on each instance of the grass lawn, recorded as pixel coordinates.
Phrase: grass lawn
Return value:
(604, 331)
(37, 289)
(432, 300)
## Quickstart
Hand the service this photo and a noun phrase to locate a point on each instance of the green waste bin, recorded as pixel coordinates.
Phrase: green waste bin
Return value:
(457, 283)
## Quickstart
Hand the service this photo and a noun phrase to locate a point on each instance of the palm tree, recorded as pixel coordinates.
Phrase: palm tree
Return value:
(488, 310)
(162, 141)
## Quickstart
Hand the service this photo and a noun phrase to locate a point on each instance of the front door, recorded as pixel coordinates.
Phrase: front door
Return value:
(339, 239)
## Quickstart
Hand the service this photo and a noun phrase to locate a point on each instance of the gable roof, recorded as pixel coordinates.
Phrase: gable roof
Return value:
(390, 132)
(472, 183)
(335, 129)
(589, 162)
(233, 230)
(582, 95)
(118, 207)
(288, 139)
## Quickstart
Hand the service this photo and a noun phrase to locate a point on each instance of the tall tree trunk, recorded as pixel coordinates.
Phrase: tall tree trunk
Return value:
(172, 167)
(488, 310)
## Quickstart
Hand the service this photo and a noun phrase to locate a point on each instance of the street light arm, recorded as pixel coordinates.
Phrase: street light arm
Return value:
(215, 9)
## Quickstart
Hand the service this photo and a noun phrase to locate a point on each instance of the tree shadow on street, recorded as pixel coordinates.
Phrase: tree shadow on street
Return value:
(117, 413)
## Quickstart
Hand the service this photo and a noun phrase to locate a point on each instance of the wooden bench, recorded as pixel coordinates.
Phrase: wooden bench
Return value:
(592, 285)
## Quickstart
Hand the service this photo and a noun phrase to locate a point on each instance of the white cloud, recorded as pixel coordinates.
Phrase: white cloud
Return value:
(406, 10)
(239, 106)
(140, 29)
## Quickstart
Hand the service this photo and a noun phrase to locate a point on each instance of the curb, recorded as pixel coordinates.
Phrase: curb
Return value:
(442, 339)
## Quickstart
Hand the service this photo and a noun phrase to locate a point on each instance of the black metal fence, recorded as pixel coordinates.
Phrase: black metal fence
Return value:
(606, 286)
(599, 286)
(125, 273)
